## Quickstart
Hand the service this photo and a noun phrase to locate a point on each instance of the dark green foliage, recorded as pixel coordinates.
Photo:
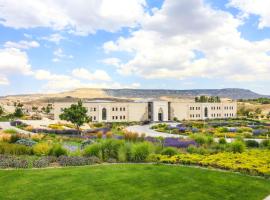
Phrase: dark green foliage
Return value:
(57, 150)
(205, 99)
(222, 141)
(237, 146)
(252, 143)
(76, 114)
(93, 150)
(109, 148)
(169, 151)
(140, 151)
(18, 112)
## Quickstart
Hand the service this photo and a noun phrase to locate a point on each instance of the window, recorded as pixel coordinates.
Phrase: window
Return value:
(112, 108)
(113, 117)
(120, 117)
(104, 114)
(124, 109)
(116, 109)
(116, 117)
(205, 112)
(120, 108)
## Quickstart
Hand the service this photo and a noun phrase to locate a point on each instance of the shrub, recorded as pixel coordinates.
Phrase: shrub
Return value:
(265, 144)
(109, 135)
(10, 131)
(109, 148)
(252, 143)
(140, 151)
(124, 152)
(26, 142)
(197, 150)
(77, 160)
(93, 150)
(15, 149)
(237, 147)
(169, 151)
(222, 141)
(200, 139)
(41, 149)
(41, 163)
(13, 162)
(57, 150)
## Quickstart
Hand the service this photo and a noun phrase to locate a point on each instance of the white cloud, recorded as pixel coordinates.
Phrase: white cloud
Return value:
(112, 61)
(80, 17)
(252, 7)
(167, 44)
(56, 38)
(23, 44)
(4, 80)
(86, 74)
(13, 61)
(60, 82)
(59, 54)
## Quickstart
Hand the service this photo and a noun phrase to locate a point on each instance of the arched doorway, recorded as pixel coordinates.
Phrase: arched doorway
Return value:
(104, 114)
(160, 114)
(206, 112)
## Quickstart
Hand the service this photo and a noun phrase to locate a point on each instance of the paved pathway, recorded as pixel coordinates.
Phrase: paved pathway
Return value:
(6, 125)
(267, 198)
(152, 133)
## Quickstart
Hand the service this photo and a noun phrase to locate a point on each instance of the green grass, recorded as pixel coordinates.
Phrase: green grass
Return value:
(140, 182)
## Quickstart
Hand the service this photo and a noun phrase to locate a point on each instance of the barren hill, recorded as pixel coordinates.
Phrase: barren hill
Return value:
(124, 94)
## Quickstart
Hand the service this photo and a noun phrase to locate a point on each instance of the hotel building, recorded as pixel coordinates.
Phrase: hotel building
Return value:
(107, 111)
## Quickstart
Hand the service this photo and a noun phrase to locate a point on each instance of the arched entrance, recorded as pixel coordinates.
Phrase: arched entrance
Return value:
(160, 114)
(104, 114)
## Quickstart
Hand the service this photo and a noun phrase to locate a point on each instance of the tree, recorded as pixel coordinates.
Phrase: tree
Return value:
(76, 114)
(1, 111)
(18, 112)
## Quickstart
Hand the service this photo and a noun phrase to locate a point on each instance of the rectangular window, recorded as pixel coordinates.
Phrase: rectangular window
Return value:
(124, 117)
(120, 108)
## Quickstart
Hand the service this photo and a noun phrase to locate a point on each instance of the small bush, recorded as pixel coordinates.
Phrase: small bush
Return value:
(93, 150)
(41, 149)
(14, 149)
(252, 143)
(109, 148)
(26, 142)
(41, 163)
(237, 147)
(169, 151)
(77, 160)
(124, 153)
(222, 141)
(13, 162)
(57, 150)
(140, 151)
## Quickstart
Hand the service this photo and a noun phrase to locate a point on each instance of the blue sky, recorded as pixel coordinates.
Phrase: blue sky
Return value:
(52, 46)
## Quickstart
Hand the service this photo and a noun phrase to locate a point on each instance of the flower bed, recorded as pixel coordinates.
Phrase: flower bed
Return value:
(254, 162)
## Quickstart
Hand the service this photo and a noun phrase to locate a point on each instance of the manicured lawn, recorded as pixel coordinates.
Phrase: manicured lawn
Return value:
(130, 182)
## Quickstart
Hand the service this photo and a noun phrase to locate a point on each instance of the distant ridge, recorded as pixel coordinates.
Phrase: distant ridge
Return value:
(232, 93)
(122, 94)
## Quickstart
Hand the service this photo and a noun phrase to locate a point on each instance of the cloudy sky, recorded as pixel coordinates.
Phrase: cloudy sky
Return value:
(58, 45)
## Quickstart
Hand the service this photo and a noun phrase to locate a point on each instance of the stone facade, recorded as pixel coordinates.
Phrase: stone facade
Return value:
(153, 111)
